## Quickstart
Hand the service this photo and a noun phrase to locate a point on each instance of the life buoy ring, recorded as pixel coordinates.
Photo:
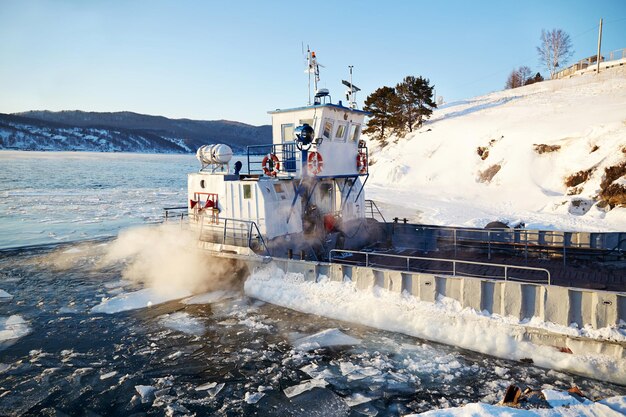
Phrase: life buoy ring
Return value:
(315, 163)
(271, 165)
(361, 162)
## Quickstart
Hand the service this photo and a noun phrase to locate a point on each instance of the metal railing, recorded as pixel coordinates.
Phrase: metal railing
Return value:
(285, 152)
(520, 242)
(417, 264)
(234, 232)
(178, 213)
(372, 209)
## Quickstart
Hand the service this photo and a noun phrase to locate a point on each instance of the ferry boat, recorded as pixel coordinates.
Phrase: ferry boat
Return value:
(300, 196)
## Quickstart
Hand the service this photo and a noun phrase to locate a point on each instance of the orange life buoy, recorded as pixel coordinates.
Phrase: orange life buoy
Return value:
(315, 163)
(361, 162)
(271, 165)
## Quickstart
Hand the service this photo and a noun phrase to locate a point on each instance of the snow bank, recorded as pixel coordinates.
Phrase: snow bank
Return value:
(444, 321)
(433, 175)
(486, 410)
(137, 299)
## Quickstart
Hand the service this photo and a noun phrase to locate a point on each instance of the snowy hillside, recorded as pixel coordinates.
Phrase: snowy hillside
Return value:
(25, 134)
(535, 154)
(121, 132)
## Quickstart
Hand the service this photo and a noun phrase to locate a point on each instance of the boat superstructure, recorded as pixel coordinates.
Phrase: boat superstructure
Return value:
(300, 196)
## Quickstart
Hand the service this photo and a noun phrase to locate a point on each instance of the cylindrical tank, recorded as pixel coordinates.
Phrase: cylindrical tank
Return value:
(214, 154)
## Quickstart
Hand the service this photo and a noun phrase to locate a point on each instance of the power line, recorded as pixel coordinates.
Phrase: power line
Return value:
(527, 60)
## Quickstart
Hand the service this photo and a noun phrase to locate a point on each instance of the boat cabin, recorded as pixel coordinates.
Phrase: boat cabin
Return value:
(303, 193)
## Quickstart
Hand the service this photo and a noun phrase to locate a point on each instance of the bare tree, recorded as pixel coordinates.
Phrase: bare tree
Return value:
(514, 80)
(524, 74)
(555, 49)
(518, 77)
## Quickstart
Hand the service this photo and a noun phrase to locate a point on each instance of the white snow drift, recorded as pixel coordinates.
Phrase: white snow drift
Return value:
(433, 174)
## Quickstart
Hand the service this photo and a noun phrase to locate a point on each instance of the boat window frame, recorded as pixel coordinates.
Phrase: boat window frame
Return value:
(354, 132)
(247, 191)
(341, 138)
(282, 132)
(326, 121)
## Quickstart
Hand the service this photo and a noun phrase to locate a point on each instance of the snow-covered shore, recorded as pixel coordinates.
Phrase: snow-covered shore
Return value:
(433, 175)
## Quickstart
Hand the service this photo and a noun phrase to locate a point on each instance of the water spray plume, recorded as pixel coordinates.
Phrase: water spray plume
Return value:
(167, 258)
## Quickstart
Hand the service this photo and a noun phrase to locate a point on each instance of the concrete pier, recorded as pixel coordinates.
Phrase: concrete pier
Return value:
(560, 305)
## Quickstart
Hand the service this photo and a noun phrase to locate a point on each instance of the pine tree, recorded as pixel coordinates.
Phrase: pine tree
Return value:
(417, 101)
(385, 107)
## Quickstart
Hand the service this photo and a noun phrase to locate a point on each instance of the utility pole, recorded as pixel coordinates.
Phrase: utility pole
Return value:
(599, 44)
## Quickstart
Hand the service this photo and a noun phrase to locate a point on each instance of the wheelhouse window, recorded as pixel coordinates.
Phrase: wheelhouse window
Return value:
(286, 132)
(340, 134)
(355, 131)
(328, 129)
(247, 191)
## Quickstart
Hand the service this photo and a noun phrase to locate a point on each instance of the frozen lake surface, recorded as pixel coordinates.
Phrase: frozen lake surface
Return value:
(49, 197)
(64, 351)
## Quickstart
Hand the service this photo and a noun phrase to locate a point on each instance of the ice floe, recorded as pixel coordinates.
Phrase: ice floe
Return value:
(253, 397)
(183, 322)
(325, 338)
(304, 386)
(13, 327)
(137, 299)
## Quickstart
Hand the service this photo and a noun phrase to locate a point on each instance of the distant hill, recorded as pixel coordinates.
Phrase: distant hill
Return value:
(122, 132)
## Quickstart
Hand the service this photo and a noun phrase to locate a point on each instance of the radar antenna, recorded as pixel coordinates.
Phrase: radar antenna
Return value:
(351, 91)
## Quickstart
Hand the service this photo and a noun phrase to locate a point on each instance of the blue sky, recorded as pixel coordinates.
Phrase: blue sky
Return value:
(236, 60)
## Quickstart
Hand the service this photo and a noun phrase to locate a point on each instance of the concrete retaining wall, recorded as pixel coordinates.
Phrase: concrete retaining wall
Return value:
(560, 305)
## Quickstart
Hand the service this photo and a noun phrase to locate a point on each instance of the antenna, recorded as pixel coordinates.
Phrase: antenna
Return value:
(352, 90)
(308, 70)
(313, 67)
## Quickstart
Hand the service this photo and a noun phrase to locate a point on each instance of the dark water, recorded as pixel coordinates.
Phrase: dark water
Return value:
(77, 363)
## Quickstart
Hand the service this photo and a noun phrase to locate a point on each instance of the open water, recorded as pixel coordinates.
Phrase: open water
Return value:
(228, 355)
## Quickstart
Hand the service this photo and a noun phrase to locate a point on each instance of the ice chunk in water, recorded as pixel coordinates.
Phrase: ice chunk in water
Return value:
(146, 392)
(137, 299)
(108, 375)
(305, 386)
(253, 397)
(183, 322)
(4, 295)
(13, 327)
(212, 388)
(206, 386)
(325, 338)
(356, 399)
